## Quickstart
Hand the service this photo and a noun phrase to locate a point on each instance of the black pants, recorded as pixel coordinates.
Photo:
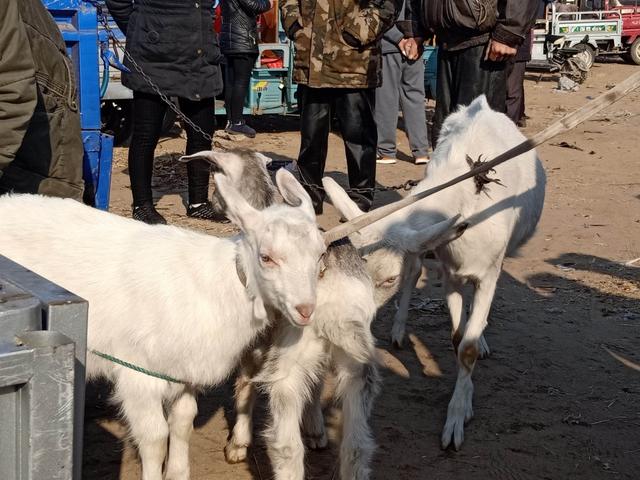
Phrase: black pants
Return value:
(463, 75)
(515, 90)
(354, 109)
(236, 81)
(148, 113)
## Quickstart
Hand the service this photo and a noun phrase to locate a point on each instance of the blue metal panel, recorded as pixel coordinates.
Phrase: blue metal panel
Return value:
(78, 23)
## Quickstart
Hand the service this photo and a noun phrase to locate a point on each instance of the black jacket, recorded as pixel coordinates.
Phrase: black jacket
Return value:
(174, 43)
(239, 32)
(461, 24)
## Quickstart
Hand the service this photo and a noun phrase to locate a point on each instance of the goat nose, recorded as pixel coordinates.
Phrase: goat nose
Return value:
(305, 310)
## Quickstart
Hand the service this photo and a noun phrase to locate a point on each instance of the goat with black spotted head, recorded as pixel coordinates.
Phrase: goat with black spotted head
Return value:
(171, 300)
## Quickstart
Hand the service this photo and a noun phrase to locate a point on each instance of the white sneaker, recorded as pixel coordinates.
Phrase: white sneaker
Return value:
(386, 160)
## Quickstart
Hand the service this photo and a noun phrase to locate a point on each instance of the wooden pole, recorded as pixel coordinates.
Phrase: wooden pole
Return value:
(565, 124)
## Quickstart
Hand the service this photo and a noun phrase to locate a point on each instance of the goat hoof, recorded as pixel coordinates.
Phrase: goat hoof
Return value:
(483, 349)
(316, 442)
(397, 336)
(453, 435)
(234, 453)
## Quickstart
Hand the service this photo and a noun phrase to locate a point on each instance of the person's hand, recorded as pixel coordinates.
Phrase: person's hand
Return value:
(497, 52)
(411, 47)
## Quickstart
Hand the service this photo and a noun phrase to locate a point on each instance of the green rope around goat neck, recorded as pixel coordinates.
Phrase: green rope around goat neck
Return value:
(136, 368)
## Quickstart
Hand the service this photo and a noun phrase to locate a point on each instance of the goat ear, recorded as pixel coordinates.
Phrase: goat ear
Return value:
(264, 158)
(293, 193)
(340, 199)
(224, 162)
(238, 210)
(419, 239)
(207, 155)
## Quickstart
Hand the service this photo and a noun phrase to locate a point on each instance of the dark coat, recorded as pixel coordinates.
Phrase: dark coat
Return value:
(460, 24)
(239, 32)
(338, 54)
(174, 43)
(40, 144)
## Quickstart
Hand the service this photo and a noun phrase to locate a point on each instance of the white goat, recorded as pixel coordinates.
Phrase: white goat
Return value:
(500, 218)
(169, 299)
(289, 363)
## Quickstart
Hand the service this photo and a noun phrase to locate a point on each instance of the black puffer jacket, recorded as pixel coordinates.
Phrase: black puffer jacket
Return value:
(239, 31)
(174, 43)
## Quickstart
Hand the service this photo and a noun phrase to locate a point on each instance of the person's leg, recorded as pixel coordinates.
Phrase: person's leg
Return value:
(242, 65)
(412, 102)
(445, 91)
(229, 82)
(477, 76)
(315, 124)
(202, 114)
(386, 113)
(354, 109)
(519, 69)
(148, 112)
(463, 76)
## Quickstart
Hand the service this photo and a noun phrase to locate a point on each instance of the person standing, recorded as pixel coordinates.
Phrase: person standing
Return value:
(516, 67)
(40, 146)
(475, 40)
(239, 43)
(338, 67)
(402, 83)
(175, 45)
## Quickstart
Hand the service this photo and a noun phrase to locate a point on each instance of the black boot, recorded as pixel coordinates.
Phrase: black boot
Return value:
(205, 211)
(147, 213)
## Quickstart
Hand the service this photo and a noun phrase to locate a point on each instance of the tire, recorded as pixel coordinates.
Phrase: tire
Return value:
(634, 51)
(116, 121)
(590, 57)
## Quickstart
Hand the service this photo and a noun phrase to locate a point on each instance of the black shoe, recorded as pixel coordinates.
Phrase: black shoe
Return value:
(240, 128)
(205, 211)
(147, 213)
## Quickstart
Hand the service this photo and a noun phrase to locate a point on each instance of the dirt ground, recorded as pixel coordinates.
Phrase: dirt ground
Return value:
(550, 402)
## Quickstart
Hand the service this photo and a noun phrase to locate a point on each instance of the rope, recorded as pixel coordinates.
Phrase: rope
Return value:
(113, 359)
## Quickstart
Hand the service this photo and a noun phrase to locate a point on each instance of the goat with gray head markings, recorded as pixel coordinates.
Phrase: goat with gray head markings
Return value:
(500, 218)
(170, 299)
(289, 363)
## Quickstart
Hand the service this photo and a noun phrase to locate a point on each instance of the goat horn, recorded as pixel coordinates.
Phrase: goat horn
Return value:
(565, 124)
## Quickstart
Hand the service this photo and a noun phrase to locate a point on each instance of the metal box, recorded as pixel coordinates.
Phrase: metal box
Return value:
(42, 377)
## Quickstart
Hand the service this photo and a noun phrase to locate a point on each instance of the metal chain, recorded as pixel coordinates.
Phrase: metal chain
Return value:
(408, 185)
(105, 23)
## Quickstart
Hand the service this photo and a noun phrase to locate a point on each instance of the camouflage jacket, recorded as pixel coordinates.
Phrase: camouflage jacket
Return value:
(337, 42)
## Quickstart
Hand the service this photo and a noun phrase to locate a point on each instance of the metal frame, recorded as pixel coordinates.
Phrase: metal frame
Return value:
(30, 302)
(78, 23)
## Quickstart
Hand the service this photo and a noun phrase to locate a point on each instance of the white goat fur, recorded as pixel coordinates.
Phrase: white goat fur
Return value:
(289, 363)
(500, 219)
(168, 299)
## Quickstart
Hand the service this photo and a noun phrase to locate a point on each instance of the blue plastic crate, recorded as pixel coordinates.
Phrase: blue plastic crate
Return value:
(266, 91)
(430, 59)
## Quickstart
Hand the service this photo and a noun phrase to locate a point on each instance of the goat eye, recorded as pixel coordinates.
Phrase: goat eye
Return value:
(266, 258)
(390, 281)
